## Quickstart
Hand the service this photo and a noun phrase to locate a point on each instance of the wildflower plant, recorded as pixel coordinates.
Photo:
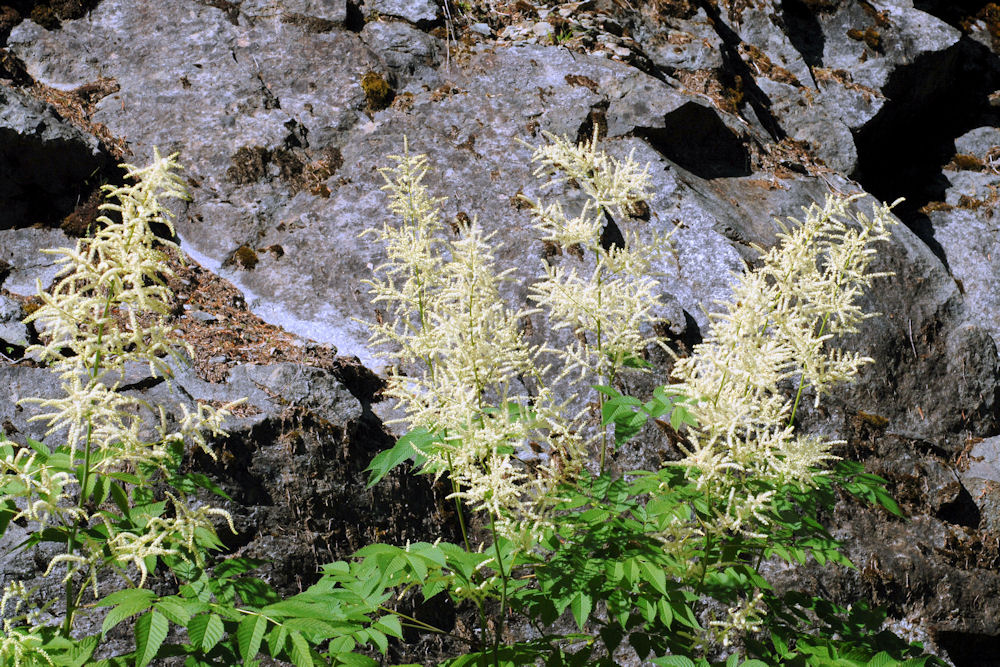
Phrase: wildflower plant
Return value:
(774, 330)
(109, 489)
(663, 563)
(91, 493)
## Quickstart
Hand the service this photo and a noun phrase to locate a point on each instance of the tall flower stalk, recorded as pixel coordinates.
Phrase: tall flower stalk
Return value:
(775, 332)
(611, 297)
(91, 490)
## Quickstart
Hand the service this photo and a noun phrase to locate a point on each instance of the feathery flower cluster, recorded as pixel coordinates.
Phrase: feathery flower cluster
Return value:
(462, 358)
(771, 333)
(117, 275)
(21, 641)
(742, 619)
(464, 366)
(607, 301)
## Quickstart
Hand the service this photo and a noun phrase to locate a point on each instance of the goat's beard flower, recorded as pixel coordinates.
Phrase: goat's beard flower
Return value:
(774, 331)
(106, 310)
(464, 371)
(461, 359)
(463, 368)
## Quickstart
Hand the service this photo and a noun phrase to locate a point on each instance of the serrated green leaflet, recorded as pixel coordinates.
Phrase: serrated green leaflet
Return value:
(249, 635)
(405, 449)
(673, 661)
(150, 631)
(129, 603)
(205, 631)
(299, 650)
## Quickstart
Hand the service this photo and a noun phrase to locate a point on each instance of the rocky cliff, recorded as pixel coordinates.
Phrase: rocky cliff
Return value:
(282, 111)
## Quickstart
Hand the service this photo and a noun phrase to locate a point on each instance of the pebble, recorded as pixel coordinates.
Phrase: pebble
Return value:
(542, 29)
(201, 316)
(481, 28)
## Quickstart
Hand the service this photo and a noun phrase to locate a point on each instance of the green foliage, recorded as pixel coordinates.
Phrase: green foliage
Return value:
(665, 563)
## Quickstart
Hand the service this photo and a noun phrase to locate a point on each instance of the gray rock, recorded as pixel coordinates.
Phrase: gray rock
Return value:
(44, 162)
(331, 11)
(683, 44)
(758, 25)
(12, 330)
(822, 81)
(909, 35)
(982, 479)
(978, 142)
(481, 29)
(59, 73)
(414, 11)
(201, 316)
(543, 30)
(321, 102)
(22, 249)
(403, 48)
(968, 238)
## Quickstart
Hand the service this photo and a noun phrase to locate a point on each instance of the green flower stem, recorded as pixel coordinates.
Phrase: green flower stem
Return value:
(458, 504)
(71, 604)
(503, 595)
(600, 358)
(465, 538)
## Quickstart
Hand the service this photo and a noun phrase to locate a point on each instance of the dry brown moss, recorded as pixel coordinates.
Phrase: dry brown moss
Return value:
(990, 15)
(931, 207)
(870, 36)
(964, 162)
(245, 258)
(763, 64)
(970, 203)
(249, 165)
(378, 92)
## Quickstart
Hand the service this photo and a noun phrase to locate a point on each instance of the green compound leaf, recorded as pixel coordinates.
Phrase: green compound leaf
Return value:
(404, 449)
(150, 631)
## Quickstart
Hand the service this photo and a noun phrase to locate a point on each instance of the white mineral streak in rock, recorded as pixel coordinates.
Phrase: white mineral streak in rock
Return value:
(327, 326)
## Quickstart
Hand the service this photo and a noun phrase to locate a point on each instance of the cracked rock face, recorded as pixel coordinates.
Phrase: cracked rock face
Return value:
(45, 162)
(283, 110)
